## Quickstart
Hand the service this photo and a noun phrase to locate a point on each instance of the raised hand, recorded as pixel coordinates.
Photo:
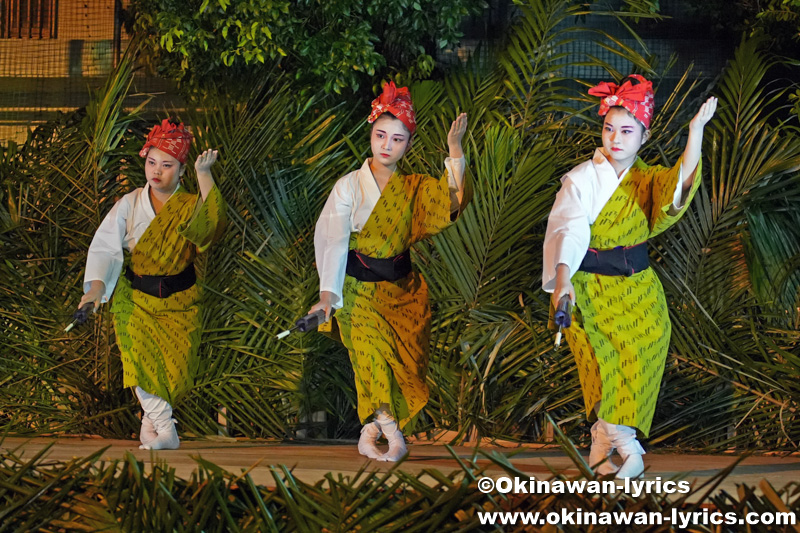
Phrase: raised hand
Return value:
(694, 144)
(456, 133)
(205, 160)
(702, 117)
(203, 167)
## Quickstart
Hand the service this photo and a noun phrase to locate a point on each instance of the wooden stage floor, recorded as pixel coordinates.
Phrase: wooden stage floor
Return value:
(310, 460)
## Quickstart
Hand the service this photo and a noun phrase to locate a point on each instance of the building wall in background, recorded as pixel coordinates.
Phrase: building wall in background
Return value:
(51, 69)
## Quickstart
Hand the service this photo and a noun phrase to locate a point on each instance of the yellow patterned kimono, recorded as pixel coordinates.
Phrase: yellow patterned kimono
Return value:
(386, 325)
(159, 337)
(621, 329)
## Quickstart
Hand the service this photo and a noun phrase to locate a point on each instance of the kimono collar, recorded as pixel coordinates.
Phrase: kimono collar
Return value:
(603, 165)
(149, 204)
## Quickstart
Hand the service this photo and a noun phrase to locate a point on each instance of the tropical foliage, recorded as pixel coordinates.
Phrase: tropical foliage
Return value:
(58, 185)
(85, 494)
(729, 267)
(777, 21)
(338, 44)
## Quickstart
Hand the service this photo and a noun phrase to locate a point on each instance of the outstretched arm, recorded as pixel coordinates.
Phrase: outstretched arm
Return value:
(691, 155)
(202, 166)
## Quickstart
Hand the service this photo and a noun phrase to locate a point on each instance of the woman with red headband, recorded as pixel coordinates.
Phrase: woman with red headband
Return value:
(595, 252)
(362, 240)
(162, 227)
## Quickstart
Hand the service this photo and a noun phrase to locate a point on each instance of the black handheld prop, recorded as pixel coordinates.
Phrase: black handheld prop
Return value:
(80, 316)
(306, 323)
(563, 316)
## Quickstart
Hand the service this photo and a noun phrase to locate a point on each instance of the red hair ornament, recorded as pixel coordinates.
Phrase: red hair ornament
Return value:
(169, 138)
(638, 99)
(398, 103)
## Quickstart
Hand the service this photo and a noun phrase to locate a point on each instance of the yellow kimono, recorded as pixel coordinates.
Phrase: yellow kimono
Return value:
(385, 325)
(159, 337)
(620, 331)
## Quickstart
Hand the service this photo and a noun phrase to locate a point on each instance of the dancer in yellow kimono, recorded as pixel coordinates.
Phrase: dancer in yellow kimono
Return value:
(595, 251)
(156, 306)
(362, 240)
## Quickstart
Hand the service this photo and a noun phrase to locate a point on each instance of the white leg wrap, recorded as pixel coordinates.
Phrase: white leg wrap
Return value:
(159, 412)
(601, 450)
(397, 443)
(148, 433)
(624, 439)
(369, 436)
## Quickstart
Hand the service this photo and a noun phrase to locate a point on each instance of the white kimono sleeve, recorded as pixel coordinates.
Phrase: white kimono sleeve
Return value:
(568, 231)
(455, 172)
(105, 259)
(677, 198)
(332, 240)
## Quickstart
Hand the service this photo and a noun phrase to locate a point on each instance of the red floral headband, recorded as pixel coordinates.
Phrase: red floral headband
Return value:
(169, 138)
(398, 103)
(636, 98)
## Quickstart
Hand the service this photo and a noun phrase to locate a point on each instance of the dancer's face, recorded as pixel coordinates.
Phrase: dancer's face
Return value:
(623, 136)
(163, 171)
(390, 140)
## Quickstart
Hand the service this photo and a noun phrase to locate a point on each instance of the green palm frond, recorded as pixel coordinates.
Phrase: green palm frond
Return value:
(126, 494)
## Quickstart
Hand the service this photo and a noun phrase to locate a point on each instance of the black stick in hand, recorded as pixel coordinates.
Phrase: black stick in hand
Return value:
(563, 316)
(80, 316)
(306, 323)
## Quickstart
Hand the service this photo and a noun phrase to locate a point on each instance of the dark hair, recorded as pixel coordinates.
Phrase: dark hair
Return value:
(631, 79)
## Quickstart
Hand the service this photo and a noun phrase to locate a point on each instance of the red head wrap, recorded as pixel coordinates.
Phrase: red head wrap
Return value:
(397, 102)
(638, 99)
(169, 138)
